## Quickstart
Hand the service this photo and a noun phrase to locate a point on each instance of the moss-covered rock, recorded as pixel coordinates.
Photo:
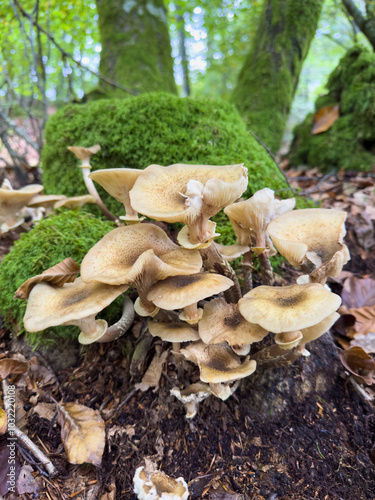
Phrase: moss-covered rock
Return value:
(350, 142)
(152, 128)
(69, 234)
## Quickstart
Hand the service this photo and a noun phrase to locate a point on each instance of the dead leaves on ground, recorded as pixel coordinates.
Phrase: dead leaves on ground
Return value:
(324, 118)
(65, 271)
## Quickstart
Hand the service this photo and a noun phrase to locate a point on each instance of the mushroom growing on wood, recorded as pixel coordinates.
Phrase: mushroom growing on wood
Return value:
(138, 255)
(185, 292)
(312, 240)
(74, 303)
(190, 194)
(118, 182)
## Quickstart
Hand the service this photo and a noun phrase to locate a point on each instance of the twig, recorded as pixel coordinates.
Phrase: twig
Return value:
(70, 56)
(25, 440)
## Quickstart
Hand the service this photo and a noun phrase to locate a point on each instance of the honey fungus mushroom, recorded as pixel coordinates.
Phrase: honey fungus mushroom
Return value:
(152, 484)
(138, 255)
(118, 182)
(74, 303)
(12, 201)
(190, 194)
(312, 240)
(185, 292)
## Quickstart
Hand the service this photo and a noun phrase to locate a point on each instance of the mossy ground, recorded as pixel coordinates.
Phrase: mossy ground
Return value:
(68, 234)
(350, 142)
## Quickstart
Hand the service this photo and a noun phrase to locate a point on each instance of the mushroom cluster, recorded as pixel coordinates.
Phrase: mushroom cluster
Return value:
(187, 288)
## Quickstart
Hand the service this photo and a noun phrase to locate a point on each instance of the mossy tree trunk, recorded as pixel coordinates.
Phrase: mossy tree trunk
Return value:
(269, 77)
(136, 49)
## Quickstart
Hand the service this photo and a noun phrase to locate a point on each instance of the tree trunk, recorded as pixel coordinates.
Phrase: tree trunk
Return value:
(365, 23)
(269, 77)
(136, 50)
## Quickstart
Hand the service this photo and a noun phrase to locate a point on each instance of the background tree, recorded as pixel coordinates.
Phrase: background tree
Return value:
(269, 78)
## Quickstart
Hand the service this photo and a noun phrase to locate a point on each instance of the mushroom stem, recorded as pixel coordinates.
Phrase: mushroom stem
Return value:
(92, 190)
(266, 268)
(214, 262)
(118, 329)
(191, 311)
(247, 271)
(273, 356)
(89, 326)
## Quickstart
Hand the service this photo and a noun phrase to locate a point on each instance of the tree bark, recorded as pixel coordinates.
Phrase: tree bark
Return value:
(365, 23)
(269, 77)
(136, 50)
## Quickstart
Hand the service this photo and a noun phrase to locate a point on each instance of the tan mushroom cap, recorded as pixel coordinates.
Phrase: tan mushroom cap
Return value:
(184, 237)
(232, 252)
(192, 396)
(122, 255)
(218, 363)
(222, 322)
(84, 154)
(309, 238)
(12, 200)
(315, 331)
(177, 292)
(71, 304)
(250, 218)
(46, 200)
(151, 484)
(289, 308)
(162, 193)
(173, 332)
(75, 202)
(118, 182)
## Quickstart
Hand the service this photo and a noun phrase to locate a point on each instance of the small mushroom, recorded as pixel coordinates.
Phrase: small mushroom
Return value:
(192, 396)
(175, 332)
(185, 292)
(222, 322)
(190, 194)
(218, 363)
(152, 484)
(312, 240)
(46, 201)
(12, 201)
(74, 202)
(118, 182)
(74, 303)
(232, 252)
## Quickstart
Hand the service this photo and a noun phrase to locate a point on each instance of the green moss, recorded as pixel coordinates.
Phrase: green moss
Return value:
(152, 128)
(350, 142)
(69, 234)
(269, 77)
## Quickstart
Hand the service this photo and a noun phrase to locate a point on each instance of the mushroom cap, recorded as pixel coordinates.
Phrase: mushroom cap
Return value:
(289, 308)
(172, 332)
(116, 181)
(232, 252)
(218, 363)
(222, 322)
(254, 214)
(183, 237)
(46, 200)
(75, 201)
(49, 305)
(123, 254)
(310, 237)
(84, 154)
(177, 292)
(315, 331)
(176, 193)
(151, 484)
(288, 340)
(192, 396)
(12, 200)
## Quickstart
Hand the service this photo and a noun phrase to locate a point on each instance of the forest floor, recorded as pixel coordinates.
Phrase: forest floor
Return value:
(316, 446)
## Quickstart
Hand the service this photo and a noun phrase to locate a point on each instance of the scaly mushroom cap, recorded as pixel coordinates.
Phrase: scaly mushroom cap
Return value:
(289, 308)
(84, 154)
(45, 200)
(49, 305)
(250, 218)
(12, 200)
(177, 292)
(173, 332)
(75, 202)
(118, 182)
(177, 193)
(218, 363)
(309, 238)
(222, 322)
(123, 254)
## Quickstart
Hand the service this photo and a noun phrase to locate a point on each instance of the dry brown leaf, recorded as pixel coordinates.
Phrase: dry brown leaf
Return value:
(3, 422)
(65, 271)
(324, 118)
(82, 433)
(12, 366)
(152, 376)
(366, 341)
(365, 319)
(358, 292)
(26, 482)
(359, 363)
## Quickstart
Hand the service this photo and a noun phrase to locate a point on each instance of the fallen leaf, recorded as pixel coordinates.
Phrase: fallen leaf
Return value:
(324, 118)
(45, 410)
(65, 271)
(358, 292)
(152, 376)
(365, 319)
(365, 340)
(10, 366)
(26, 482)
(8, 471)
(3, 422)
(82, 433)
(359, 363)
